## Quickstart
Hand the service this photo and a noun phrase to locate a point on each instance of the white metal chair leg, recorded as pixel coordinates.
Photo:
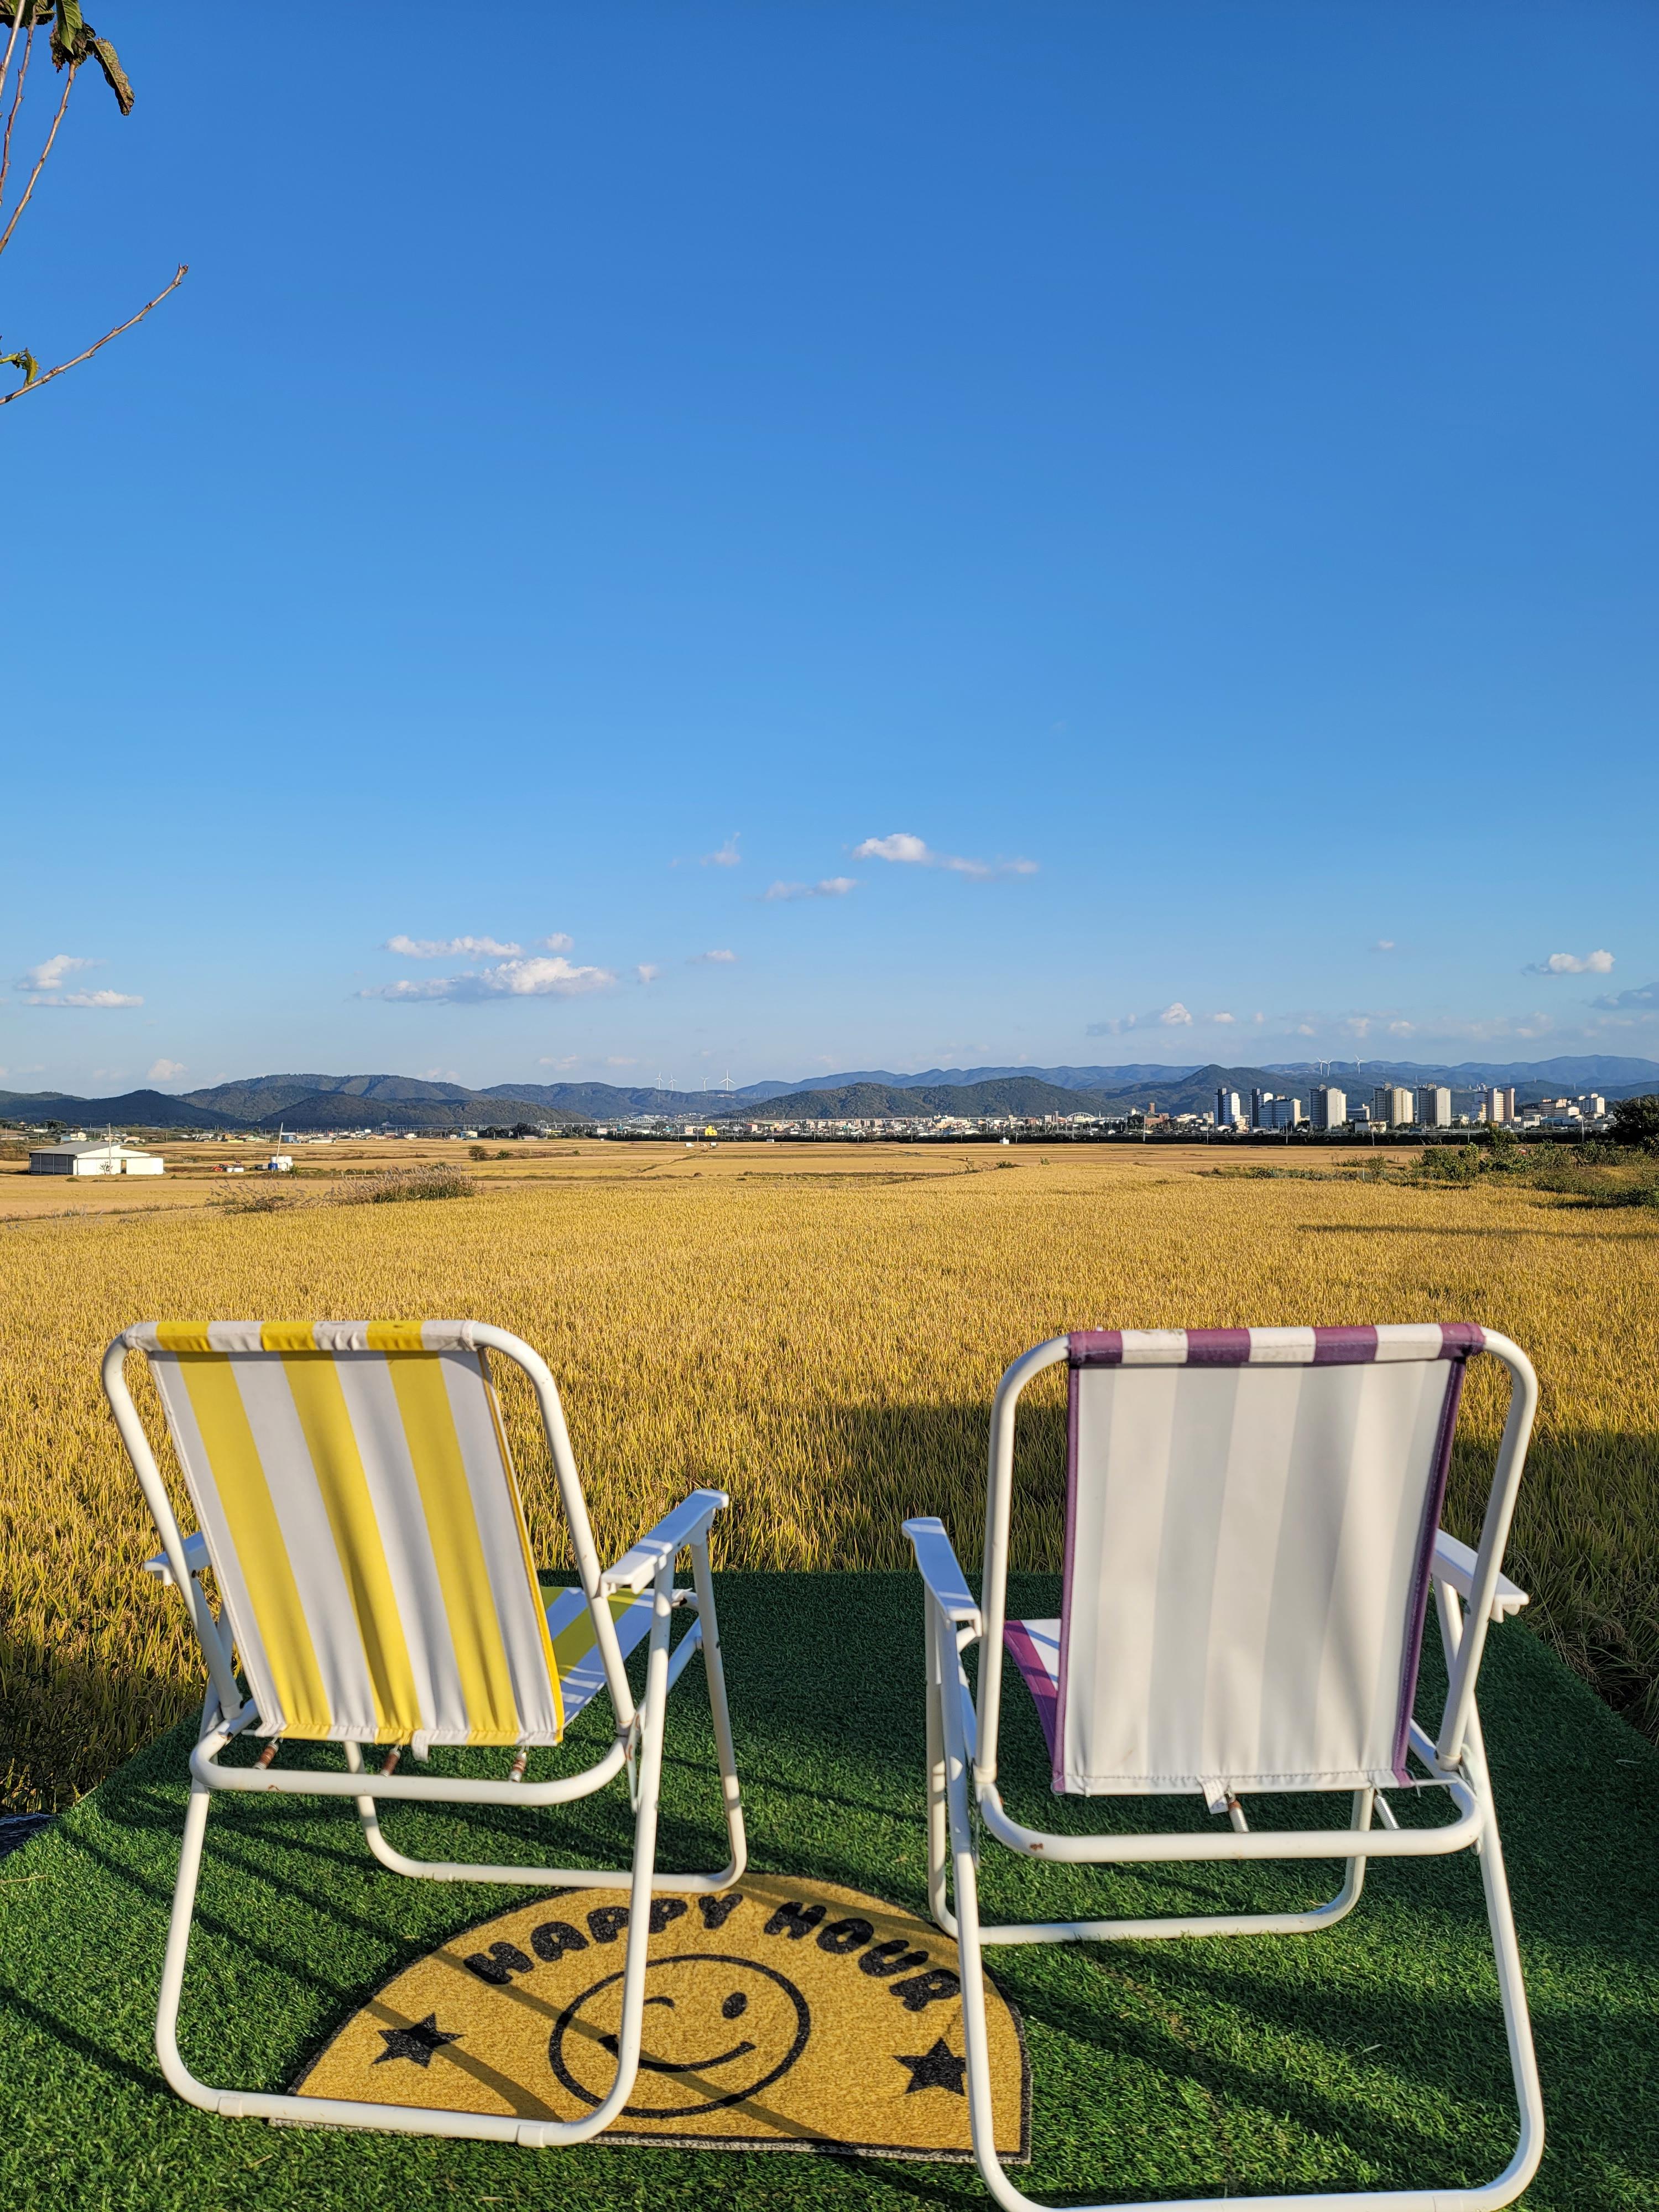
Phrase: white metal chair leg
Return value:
(970, 1936)
(726, 1754)
(335, 2111)
(703, 1635)
(176, 2075)
(938, 1839)
(940, 1655)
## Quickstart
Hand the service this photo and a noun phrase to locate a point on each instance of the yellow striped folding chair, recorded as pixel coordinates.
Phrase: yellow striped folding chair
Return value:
(355, 1500)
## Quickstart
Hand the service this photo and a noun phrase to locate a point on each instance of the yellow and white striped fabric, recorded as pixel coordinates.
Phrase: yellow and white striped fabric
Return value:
(353, 1484)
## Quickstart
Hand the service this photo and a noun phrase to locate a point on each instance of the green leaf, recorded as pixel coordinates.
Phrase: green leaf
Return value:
(69, 37)
(25, 360)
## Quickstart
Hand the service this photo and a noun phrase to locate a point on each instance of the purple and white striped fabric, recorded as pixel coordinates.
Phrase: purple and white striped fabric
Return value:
(1250, 1515)
(1273, 1348)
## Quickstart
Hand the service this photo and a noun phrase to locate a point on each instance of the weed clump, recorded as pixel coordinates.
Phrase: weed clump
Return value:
(399, 1183)
(254, 1198)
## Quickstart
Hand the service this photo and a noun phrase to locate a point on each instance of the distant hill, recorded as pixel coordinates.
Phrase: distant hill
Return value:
(1065, 1078)
(148, 1110)
(607, 1101)
(857, 1102)
(1595, 1069)
(398, 1103)
(1151, 1076)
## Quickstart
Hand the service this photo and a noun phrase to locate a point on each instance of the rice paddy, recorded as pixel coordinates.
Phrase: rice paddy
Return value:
(819, 1333)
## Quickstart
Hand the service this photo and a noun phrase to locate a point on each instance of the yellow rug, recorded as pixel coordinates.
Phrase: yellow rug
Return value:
(780, 2015)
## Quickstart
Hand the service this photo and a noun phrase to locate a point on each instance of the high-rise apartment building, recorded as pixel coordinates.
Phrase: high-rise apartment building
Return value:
(1434, 1106)
(1500, 1103)
(1283, 1113)
(1394, 1106)
(1330, 1107)
(1259, 1102)
(1228, 1113)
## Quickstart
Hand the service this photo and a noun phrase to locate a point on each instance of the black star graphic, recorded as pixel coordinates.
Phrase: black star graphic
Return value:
(937, 2069)
(417, 2042)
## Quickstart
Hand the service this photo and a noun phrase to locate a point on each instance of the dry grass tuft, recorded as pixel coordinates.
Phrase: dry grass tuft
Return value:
(396, 1184)
(825, 1349)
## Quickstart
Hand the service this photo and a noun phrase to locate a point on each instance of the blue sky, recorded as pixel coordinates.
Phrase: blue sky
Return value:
(1144, 512)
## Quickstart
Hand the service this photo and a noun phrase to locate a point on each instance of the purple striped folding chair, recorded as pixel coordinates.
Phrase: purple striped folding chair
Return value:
(1252, 1539)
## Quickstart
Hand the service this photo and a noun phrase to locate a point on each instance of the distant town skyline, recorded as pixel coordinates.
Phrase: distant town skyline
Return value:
(892, 538)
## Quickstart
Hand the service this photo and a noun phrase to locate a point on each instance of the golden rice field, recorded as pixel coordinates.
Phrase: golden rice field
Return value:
(819, 1334)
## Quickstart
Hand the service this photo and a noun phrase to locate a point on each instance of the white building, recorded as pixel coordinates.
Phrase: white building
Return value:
(1394, 1106)
(1330, 1107)
(1228, 1112)
(1281, 1112)
(1434, 1106)
(107, 1155)
(1500, 1103)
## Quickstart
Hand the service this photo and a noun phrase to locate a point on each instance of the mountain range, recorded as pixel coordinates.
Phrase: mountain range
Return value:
(321, 1103)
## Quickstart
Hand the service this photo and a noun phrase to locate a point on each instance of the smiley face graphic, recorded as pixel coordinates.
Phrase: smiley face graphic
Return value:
(717, 2029)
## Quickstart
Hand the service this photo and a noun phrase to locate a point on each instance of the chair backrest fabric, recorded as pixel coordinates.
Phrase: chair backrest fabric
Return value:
(353, 1484)
(1250, 1519)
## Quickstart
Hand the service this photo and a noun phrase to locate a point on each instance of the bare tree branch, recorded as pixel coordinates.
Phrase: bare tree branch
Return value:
(46, 375)
(16, 102)
(18, 14)
(28, 189)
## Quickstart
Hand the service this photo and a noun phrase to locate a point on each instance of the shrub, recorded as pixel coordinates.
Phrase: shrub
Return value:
(1453, 1163)
(1636, 1121)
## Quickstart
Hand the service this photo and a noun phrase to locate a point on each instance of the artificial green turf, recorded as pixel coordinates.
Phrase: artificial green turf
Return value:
(1368, 2056)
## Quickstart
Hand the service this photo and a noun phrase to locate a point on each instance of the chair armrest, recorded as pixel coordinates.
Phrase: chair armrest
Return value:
(662, 1545)
(941, 1570)
(196, 1559)
(1453, 1563)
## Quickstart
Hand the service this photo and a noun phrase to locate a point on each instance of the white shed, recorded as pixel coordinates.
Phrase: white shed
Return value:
(107, 1155)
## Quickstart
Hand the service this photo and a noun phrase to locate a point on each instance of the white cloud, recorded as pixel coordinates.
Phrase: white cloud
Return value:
(728, 855)
(1569, 963)
(1224, 1019)
(532, 977)
(166, 1071)
(831, 887)
(451, 948)
(620, 1059)
(569, 1061)
(1174, 1015)
(1383, 944)
(911, 852)
(557, 943)
(440, 1074)
(41, 983)
(717, 958)
(1640, 998)
(647, 971)
(50, 973)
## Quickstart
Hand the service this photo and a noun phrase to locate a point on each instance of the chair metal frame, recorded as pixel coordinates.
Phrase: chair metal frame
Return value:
(1470, 1593)
(637, 1744)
